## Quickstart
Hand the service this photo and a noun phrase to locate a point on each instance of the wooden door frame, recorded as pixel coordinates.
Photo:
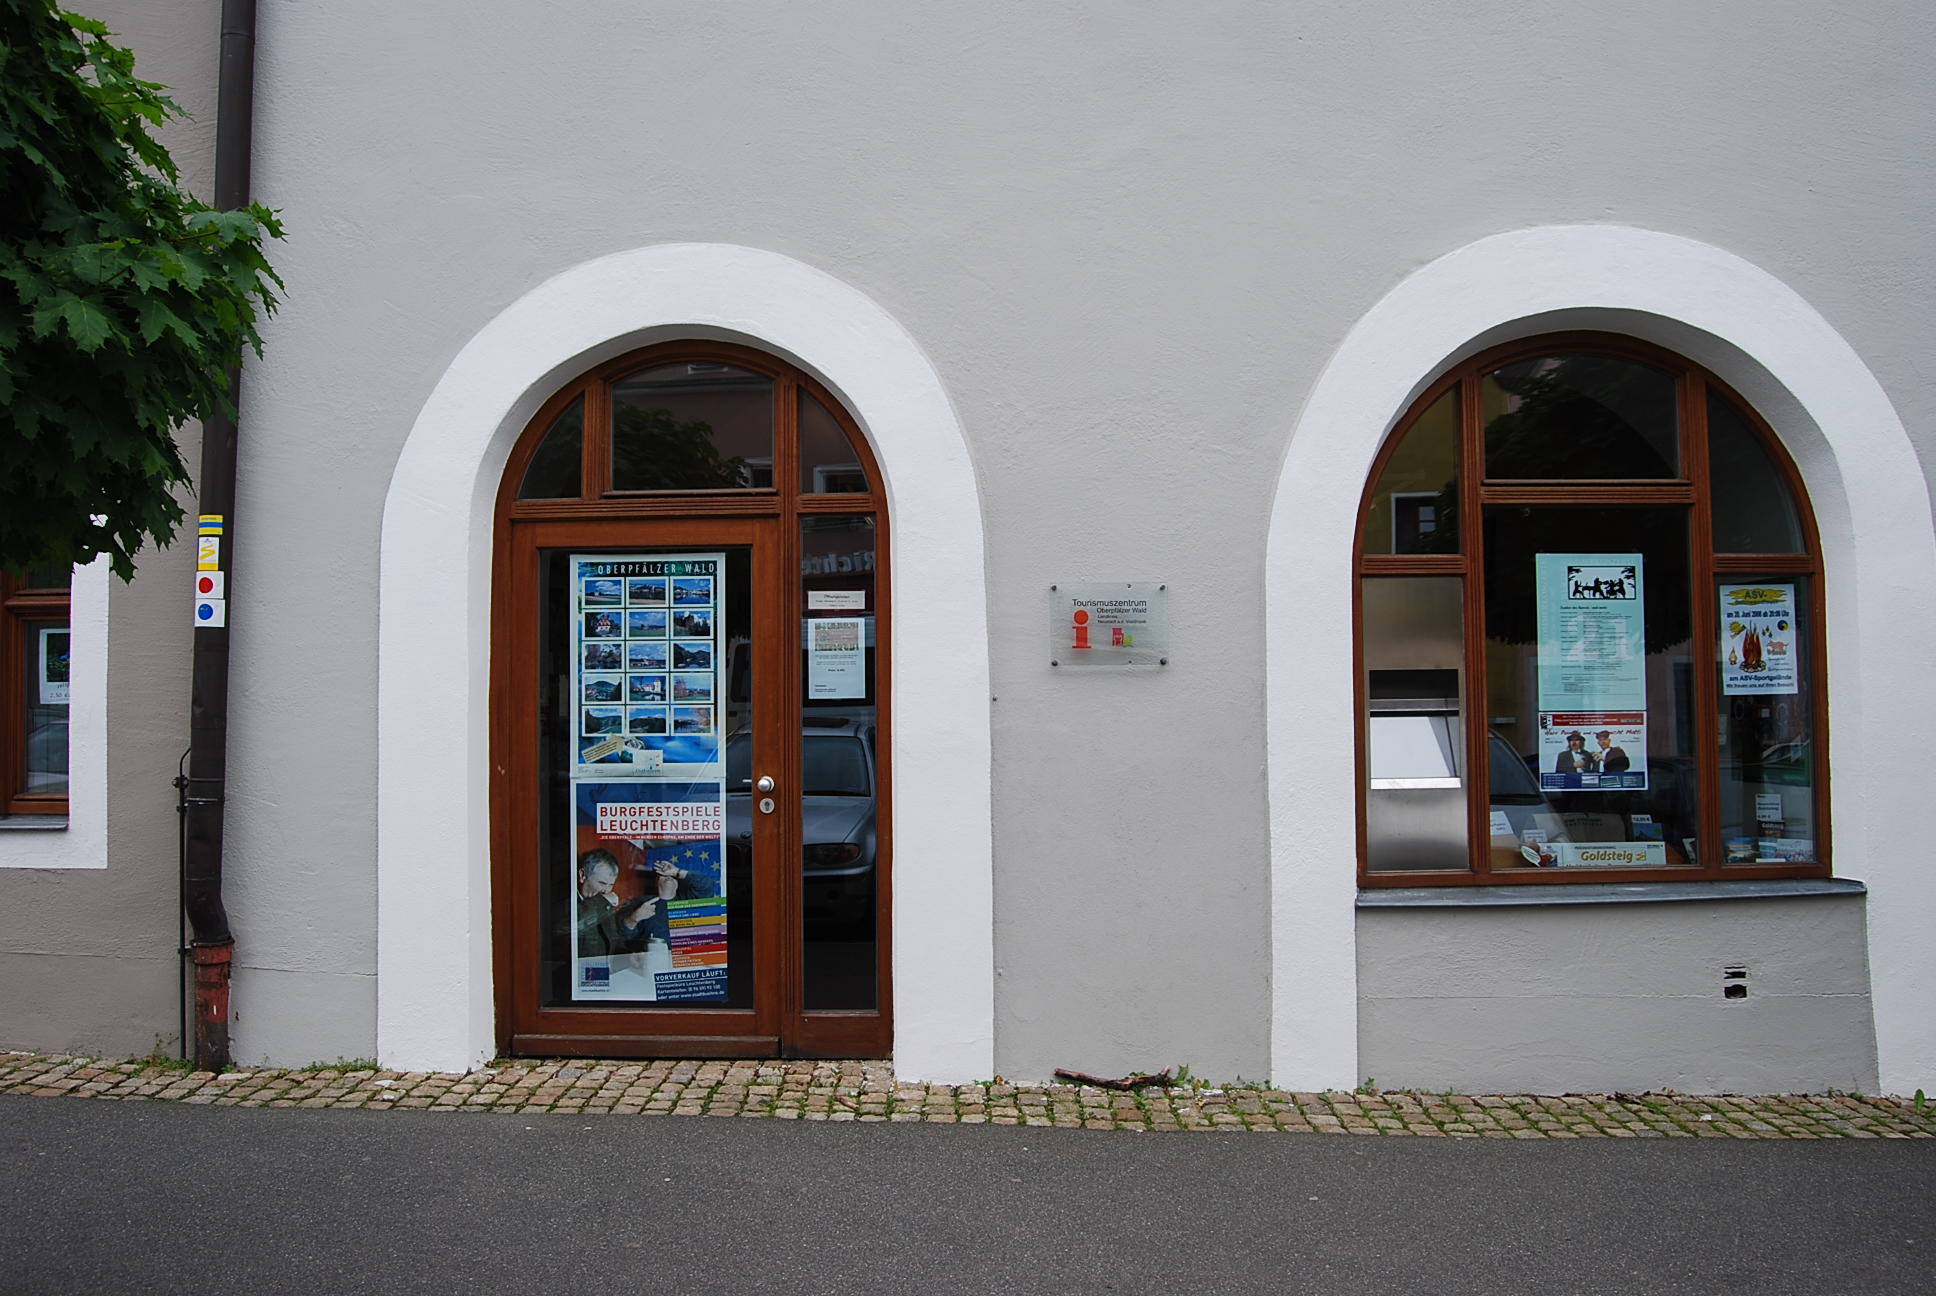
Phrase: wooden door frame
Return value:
(768, 522)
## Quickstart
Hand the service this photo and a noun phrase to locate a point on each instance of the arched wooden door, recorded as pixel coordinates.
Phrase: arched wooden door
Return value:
(690, 809)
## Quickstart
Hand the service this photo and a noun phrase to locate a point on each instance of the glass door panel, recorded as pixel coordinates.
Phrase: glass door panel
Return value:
(839, 765)
(645, 862)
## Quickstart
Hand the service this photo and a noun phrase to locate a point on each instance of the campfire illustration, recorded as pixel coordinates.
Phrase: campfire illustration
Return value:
(1751, 657)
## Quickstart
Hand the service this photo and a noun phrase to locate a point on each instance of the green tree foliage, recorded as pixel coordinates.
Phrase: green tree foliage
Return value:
(653, 450)
(124, 301)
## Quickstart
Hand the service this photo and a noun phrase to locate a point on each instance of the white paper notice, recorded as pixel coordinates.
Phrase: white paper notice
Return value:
(836, 658)
(826, 600)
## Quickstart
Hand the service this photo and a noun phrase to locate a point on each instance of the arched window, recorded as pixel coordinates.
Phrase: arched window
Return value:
(1590, 630)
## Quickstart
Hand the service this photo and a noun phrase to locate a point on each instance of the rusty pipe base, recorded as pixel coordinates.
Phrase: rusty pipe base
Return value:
(212, 962)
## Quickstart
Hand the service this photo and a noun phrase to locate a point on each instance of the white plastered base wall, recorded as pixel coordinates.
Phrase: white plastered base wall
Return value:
(1877, 543)
(435, 1001)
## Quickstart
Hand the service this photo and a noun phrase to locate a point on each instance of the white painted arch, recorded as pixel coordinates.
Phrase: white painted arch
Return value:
(1878, 547)
(434, 988)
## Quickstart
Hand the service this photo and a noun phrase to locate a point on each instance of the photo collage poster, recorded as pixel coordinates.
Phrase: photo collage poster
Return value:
(648, 823)
(1592, 672)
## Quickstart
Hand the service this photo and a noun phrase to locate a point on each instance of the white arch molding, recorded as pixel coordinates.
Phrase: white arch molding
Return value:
(434, 967)
(1878, 547)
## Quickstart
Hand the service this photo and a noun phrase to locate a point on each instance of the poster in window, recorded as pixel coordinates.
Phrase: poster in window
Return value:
(636, 617)
(1592, 671)
(1759, 639)
(836, 658)
(1592, 751)
(53, 668)
(648, 900)
(648, 824)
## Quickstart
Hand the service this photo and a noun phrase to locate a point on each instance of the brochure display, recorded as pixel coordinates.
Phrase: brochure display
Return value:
(1592, 672)
(1758, 630)
(648, 823)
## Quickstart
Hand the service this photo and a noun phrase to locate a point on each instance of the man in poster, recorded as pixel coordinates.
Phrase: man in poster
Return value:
(1576, 759)
(606, 924)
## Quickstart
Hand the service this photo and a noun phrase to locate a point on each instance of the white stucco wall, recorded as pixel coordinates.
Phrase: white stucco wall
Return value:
(1127, 249)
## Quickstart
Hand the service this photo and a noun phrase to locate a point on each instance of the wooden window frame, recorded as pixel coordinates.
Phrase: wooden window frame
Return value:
(22, 605)
(779, 510)
(1693, 489)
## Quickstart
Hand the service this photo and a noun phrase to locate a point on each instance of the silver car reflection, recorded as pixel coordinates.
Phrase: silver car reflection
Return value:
(837, 810)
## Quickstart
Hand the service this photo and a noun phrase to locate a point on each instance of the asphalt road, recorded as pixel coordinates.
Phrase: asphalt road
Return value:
(164, 1197)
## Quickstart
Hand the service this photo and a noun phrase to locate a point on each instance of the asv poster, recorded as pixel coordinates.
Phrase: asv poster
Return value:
(1758, 639)
(647, 644)
(1592, 671)
(648, 903)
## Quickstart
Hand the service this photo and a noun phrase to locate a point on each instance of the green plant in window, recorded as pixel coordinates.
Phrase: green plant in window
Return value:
(124, 300)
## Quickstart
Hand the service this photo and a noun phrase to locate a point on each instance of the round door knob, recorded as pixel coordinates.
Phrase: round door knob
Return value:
(765, 784)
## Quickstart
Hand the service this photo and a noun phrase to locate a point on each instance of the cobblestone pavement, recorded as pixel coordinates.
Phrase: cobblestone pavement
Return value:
(868, 1091)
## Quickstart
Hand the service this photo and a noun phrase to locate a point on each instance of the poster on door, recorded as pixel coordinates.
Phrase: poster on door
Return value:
(648, 900)
(646, 649)
(1592, 658)
(1758, 639)
(648, 823)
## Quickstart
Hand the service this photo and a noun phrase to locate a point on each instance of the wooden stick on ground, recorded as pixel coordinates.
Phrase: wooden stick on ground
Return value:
(1136, 1081)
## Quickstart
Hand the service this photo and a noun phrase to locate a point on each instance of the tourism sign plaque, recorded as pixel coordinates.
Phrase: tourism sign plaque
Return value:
(1103, 624)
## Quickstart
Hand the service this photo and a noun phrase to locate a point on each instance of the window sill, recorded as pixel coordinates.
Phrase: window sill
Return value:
(33, 823)
(1463, 897)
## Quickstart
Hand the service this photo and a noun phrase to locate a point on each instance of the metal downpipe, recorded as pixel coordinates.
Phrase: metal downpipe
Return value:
(211, 944)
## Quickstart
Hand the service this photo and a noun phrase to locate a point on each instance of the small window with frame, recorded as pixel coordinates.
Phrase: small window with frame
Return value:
(35, 662)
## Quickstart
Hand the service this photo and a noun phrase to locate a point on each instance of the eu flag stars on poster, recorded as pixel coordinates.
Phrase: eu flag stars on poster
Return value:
(695, 920)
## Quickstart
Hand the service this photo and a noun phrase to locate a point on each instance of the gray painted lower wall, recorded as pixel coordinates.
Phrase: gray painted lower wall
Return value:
(113, 1005)
(1592, 998)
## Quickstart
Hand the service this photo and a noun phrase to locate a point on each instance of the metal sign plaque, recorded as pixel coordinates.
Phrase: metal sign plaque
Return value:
(1103, 624)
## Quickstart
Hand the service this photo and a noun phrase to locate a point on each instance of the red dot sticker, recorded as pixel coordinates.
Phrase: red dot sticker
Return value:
(204, 586)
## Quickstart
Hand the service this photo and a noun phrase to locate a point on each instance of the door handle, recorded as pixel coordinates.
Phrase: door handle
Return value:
(765, 784)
